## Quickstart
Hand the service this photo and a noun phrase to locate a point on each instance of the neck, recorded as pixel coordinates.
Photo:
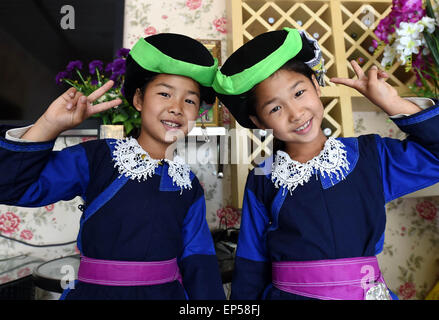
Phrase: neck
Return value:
(303, 152)
(156, 149)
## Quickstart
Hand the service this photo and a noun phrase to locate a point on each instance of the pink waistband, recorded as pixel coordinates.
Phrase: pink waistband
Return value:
(337, 279)
(127, 273)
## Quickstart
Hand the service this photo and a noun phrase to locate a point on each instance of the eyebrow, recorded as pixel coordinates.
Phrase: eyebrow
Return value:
(173, 88)
(275, 98)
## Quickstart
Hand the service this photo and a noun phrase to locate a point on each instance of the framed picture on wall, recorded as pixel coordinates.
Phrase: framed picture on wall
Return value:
(210, 114)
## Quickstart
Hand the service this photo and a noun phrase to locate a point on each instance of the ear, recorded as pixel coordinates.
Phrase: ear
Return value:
(256, 121)
(316, 85)
(137, 100)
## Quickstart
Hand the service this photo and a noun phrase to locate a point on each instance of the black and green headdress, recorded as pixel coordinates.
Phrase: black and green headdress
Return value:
(172, 54)
(257, 60)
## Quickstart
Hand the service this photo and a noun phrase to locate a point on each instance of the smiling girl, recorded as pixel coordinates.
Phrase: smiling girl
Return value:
(314, 220)
(143, 232)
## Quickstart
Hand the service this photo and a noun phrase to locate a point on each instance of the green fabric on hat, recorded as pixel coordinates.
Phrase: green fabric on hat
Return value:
(245, 80)
(152, 59)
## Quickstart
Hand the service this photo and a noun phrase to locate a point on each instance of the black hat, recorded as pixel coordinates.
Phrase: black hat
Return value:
(172, 54)
(257, 60)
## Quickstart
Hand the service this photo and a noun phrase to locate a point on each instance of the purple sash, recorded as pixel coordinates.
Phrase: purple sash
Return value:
(337, 279)
(128, 273)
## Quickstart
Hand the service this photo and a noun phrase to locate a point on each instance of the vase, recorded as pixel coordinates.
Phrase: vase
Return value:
(107, 131)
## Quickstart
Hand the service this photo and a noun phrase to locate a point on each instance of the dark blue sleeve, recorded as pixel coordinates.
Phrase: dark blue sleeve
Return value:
(413, 163)
(199, 265)
(252, 266)
(33, 175)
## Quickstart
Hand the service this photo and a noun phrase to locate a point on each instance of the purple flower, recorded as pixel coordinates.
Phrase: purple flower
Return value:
(109, 67)
(402, 11)
(410, 5)
(114, 77)
(384, 28)
(118, 66)
(60, 76)
(374, 44)
(95, 64)
(94, 82)
(123, 52)
(74, 64)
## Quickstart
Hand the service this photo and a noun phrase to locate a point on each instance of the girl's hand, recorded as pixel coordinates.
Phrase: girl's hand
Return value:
(68, 111)
(374, 87)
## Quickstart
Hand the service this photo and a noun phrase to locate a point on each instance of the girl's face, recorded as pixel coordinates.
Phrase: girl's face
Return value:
(290, 104)
(169, 108)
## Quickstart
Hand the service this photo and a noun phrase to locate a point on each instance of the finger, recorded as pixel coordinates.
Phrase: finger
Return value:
(100, 91)
(103, 106)
(71, 105)
(357, 69)
(372, 74)
(344, 81)
(382, 75)
(81, 106)
(69, 94)
(78, 96)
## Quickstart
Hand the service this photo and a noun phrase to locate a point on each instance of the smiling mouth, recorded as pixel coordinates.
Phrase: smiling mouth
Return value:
(303, 127)
(170, 124)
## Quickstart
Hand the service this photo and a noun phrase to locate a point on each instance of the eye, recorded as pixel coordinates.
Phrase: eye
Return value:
(190, 101)
(275, 109)
(164, 94)
(299, 93)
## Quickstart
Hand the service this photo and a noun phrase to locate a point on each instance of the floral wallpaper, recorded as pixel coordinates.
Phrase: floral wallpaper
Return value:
(201, 19)
(410, 259)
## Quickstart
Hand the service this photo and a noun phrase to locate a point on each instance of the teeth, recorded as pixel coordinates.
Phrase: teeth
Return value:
(304, 126)
(171, 124)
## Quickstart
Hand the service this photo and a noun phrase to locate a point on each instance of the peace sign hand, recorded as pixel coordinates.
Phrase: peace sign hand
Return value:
(67, 111)
(374, 87)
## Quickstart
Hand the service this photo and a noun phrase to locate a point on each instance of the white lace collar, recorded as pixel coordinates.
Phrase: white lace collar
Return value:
(290, 173)
(135, 163)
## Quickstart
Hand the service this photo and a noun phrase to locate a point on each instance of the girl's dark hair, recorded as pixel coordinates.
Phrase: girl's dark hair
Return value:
(147, 80)
(291, 65)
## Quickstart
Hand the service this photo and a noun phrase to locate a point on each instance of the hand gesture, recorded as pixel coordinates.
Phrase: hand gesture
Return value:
(68, 111)
(373, 86)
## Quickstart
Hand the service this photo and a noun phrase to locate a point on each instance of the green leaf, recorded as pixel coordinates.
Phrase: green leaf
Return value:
(121, 117)
(429, 9)
(432, 44)
(128, 126)
(106, 119)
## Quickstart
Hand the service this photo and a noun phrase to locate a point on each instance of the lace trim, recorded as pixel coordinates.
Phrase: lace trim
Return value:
(136, 164)
(290, 173)
(179, 171)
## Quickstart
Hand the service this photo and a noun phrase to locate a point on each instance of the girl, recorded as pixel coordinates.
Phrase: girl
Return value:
(313, 222)
(143, 232)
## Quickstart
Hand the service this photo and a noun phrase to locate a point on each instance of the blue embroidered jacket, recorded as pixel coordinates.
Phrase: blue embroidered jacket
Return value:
(123, 219)
(330, 218)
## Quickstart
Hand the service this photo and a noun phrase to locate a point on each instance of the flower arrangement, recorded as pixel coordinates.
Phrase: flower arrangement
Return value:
(74, 76)
(409, 35)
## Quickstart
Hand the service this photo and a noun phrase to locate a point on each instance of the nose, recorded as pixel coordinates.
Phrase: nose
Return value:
(176, 107)
(295, 113)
